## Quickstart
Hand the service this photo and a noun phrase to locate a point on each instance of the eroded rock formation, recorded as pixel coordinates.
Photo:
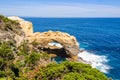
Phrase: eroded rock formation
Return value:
(11, 31)
(25, 25)
(69, 43)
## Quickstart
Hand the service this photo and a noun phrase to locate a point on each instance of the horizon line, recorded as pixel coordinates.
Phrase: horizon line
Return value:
(61, 17)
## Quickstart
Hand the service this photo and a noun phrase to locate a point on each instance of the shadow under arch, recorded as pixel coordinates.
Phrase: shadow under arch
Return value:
(56, 49)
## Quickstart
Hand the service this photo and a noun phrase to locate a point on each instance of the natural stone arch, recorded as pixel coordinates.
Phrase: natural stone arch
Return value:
(69, 43)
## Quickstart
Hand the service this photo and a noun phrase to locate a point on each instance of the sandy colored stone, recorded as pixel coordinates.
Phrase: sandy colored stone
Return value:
(25, 25)
(68, 42)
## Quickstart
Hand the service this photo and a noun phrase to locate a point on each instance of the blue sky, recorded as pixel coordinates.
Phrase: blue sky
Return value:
(61, 8)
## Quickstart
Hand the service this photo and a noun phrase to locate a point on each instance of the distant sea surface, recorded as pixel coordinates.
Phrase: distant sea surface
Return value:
(99, 36)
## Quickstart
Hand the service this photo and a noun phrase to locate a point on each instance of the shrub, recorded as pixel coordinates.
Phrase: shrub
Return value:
(6, 51)
(73, 76)
(32, 58)
(2, 73)
(69, 71)
(24, 64)
(10, 25)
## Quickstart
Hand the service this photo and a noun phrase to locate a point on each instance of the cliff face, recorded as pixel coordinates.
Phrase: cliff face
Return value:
(29, 61)
(25, 25)
(69, 43)
(11, 31)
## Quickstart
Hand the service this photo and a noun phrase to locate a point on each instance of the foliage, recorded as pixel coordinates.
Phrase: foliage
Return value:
(32, 58)
(6, 55)
(69, 71)
(73, 76)
(6, 60)
(14, 64)
(5, 51)
(24, 48)
(10, 25)
(35, 43)
(25, 63)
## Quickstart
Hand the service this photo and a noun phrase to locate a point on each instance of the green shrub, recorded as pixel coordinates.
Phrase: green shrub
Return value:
(6, 55)
(2, 73)
(73, 76)
(35, 43)
(6, 51)
(10, 25)
(25, 64)
(24, 49)
(69, 71)
(32, 58)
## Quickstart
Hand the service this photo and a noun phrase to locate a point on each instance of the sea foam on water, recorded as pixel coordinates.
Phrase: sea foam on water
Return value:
(96, 61)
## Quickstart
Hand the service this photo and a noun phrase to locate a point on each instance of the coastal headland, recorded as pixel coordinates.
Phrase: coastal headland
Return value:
(25, 55)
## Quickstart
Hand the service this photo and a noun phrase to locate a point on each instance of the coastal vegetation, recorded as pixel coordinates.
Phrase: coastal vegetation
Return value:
(9, 25)
(27, 62)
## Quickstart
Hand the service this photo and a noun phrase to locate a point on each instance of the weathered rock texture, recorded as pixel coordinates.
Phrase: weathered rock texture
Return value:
(11, 31)
(68, 42)
(25, 25)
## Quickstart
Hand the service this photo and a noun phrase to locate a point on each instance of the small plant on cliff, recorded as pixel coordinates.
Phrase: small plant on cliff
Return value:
(35, 43)
(5, 51)
(6, 60)
(32, 58)
(24, 48)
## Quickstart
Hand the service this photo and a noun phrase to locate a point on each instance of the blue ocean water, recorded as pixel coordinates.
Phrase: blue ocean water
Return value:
(99, 35)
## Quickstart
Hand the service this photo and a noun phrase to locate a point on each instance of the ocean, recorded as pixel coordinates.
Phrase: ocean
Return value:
(100, 37)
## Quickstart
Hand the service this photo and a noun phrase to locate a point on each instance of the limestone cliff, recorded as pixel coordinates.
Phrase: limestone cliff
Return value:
(25, 25)
(25, 55)
(69, 43)
(11, 31)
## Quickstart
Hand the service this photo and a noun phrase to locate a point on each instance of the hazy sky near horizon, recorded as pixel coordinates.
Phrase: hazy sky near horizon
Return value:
(61, 8)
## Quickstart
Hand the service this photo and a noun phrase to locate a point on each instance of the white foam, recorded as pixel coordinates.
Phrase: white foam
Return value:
(55, 44)
(96, 61)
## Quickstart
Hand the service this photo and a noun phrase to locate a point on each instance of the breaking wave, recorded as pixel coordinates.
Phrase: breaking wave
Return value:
(96, 61)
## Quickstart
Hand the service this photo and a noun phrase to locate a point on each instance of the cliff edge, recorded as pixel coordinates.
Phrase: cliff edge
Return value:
(70, 45)
(25, 55)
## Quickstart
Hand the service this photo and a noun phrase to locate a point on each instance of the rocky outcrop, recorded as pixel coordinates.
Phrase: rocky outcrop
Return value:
(11, 31)
(69, 43)
(25, 25)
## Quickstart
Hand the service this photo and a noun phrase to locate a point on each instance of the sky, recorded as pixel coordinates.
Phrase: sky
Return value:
(60, 8)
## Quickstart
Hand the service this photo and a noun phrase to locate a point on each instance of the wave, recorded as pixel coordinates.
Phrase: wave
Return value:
(96, 61)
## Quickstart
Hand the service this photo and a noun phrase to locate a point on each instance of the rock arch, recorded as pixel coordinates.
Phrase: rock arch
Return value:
(69, 43)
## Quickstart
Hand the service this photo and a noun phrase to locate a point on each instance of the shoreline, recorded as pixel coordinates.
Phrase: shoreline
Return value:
(96, 61)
